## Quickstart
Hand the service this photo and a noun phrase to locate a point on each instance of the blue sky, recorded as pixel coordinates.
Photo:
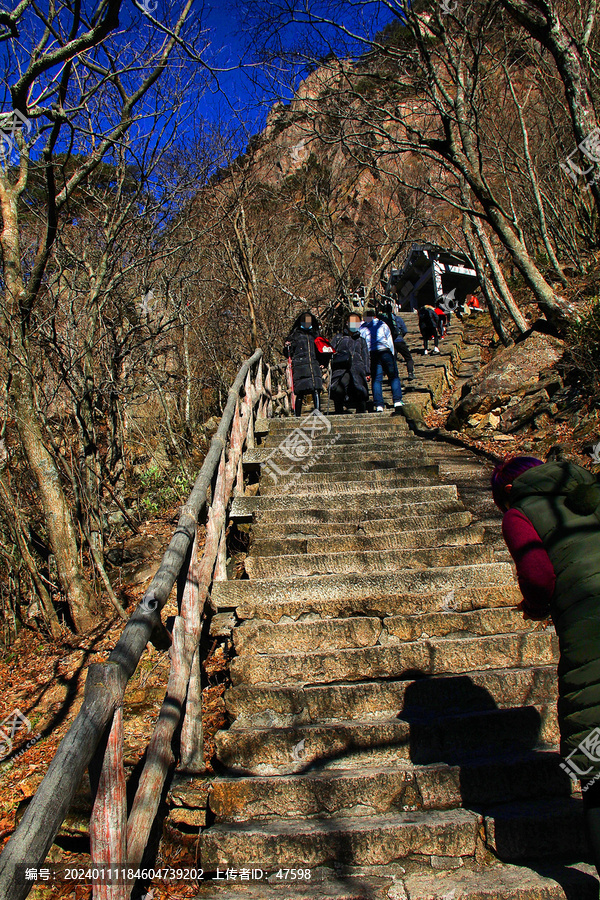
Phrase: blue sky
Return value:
(248, 90)
(240, 96)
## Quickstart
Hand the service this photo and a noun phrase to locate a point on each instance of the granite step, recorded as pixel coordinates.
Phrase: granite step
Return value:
(385, 540)
(389, 593)
(435, 513)
(344, 481)
(427, 498)
(346, 444)
(308, 843)
(348, 461)
(344, 744)
(433, 656)
(576, 881)
(361, 526)
(367, 561)
(343, 424)
(372, 791)
(260, 636)
(264, 705)
(300, 484)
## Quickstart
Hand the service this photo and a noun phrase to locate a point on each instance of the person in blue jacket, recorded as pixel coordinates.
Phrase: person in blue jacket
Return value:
(398, 329)
(383, 359)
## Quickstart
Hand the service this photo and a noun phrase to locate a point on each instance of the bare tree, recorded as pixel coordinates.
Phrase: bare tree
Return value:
(105, 87)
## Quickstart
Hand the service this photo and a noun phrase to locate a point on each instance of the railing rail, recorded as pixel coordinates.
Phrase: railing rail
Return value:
(95, 739)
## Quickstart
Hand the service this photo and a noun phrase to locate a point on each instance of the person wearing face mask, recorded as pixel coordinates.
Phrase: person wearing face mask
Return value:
(388, 313)
(306, 371)
(383, 359)
(350, 367)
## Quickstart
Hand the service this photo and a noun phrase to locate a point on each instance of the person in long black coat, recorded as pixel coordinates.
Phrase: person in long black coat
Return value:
(350, 367)
(306, 371)
(429, 326)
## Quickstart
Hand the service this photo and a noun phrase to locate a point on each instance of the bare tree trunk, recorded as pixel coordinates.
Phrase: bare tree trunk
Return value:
(165, 406)
(188, 375)
(116, 455)
(248, 273)
(558, 310)
(535, 185)
(7, 500)
(90, 476)
(541, 19)
(490, 295)
(57, 515)
(498, 278)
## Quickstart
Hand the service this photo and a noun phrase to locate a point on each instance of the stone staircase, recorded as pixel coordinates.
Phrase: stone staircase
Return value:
(393, 731)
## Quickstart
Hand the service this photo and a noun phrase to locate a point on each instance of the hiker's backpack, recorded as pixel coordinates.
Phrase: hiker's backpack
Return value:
(324, 350)
(401, 326)
(390, 320)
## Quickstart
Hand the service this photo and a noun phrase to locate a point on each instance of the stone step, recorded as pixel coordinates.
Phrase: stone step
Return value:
(300, 484)
(504, 882)
(388, 540)
(347, 481)
(382, 440)
(528, 829)
(264, 705)
(385, 594)
(468, 882)
(366, 561)
(344, 744)
(297, 444)
(309, 843)
(294, 884)
(433, 656)
(338, 460)
(346, 461)
(478, 622)
(367, 461)
(261, 636)
(378, 790)
(343, 450)
(334, 424)
(302, 530)
(429, 513)
(400, 497)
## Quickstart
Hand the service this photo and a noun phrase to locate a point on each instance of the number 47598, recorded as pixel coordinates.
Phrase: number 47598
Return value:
(293, 874)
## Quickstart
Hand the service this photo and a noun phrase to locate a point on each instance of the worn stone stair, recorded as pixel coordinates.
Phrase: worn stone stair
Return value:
(393, 731)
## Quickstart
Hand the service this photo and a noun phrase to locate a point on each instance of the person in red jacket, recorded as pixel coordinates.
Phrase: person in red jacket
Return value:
(535, 573)
(558, 570)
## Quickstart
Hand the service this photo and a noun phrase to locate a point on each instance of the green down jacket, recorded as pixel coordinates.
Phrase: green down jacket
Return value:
(562, 502)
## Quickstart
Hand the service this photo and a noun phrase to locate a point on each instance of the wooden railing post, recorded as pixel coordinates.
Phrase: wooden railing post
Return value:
(159, 757)
(108, 821)
(192, 739)
(259, 382)
(268, 408)
(221, 565)
(249, 402)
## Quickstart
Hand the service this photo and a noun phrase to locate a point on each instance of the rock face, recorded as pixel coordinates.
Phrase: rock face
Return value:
(393, 718)
(517, 384)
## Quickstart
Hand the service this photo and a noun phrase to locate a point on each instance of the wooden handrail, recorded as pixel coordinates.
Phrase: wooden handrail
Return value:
(95, 737)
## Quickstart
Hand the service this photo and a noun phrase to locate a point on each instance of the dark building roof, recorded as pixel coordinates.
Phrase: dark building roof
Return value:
(429, 272)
